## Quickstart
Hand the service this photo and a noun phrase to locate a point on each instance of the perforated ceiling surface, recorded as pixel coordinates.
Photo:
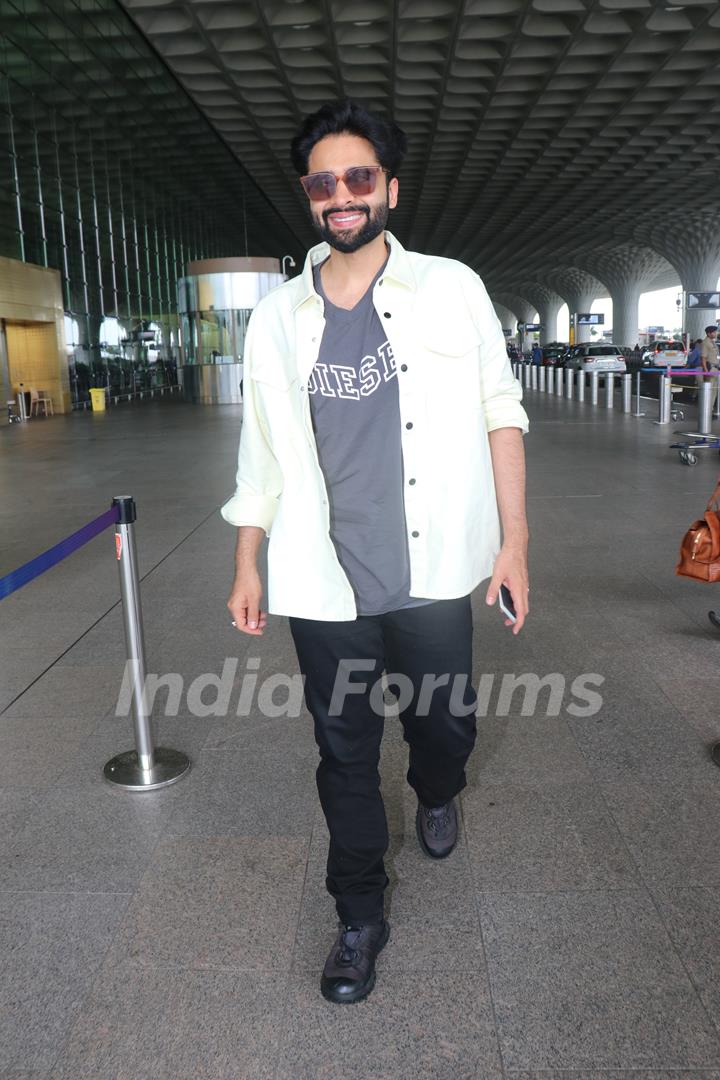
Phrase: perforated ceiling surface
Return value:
(536, 126)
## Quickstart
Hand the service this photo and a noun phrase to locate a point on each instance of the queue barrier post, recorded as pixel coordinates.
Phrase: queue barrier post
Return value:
(664, 399)
(580, 384)
(594, 386)
(627, 393)
(559, 383)
(551, 379)
(148, 767)
(541, 379)
(533, 377)
(705, 404)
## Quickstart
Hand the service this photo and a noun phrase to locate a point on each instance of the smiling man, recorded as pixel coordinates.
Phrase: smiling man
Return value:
(381, 447)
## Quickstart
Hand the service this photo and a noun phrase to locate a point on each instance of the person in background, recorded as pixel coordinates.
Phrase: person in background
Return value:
(536, 354)
(709, 360)
(693, 359)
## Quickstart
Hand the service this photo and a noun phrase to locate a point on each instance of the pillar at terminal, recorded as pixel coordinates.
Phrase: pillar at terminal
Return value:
(580, 289)
(548, 304)
(628, 270)
(525, 312)
(690, 242)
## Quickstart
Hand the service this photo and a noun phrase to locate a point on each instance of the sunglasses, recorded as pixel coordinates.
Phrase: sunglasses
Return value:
(359, 180)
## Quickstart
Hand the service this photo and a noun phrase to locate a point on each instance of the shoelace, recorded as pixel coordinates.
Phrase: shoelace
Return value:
(437, 819)
(346, 953)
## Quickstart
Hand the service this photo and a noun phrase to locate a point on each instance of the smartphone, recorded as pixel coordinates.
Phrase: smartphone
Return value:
(505, 601)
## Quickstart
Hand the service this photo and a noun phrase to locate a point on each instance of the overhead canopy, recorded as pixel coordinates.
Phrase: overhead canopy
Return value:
(538, 128)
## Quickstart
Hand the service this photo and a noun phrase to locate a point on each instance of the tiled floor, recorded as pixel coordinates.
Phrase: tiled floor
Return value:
(180, 934)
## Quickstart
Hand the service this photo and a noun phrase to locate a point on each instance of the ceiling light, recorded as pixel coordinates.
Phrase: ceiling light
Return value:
(301, 26)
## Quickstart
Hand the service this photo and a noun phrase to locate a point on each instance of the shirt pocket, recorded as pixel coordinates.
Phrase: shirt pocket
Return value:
(452, 353)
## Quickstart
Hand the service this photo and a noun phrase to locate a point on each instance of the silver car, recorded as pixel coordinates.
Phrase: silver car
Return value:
(600, 358)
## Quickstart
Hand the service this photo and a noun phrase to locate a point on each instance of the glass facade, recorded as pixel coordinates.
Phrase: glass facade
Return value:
(110, 174)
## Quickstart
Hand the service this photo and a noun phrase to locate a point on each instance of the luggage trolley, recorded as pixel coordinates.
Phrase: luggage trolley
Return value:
(688, 451)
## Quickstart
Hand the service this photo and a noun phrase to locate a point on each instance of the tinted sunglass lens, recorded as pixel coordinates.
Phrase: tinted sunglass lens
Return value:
(361, 181)
(320, 186)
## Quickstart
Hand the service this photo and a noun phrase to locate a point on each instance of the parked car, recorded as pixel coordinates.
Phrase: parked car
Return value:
(600, 358)
(552, 354)
(666, 354)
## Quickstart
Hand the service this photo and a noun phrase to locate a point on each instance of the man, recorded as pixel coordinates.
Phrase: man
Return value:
(536, 355)
(709, 360)
(382, 430)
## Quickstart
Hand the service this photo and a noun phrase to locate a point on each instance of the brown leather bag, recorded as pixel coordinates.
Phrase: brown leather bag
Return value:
(700, 547)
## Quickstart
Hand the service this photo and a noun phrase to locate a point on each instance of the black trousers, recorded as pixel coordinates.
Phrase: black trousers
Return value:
(342, 663)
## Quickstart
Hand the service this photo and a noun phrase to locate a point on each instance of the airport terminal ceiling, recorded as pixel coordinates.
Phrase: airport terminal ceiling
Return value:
(544, 134)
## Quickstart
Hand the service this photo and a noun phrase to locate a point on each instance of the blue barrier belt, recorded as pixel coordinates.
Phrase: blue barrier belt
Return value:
(29, 570)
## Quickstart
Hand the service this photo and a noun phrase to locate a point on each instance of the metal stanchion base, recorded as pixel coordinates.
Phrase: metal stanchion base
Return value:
(124, 771)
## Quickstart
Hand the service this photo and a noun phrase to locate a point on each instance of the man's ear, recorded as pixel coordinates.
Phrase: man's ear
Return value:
(393, 193)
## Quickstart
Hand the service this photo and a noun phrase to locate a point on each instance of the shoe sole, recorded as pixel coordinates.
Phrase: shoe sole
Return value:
(423, 845)
(346, 999)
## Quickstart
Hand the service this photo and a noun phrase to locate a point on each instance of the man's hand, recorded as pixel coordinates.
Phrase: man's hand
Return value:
(244, 603)
(511, 570)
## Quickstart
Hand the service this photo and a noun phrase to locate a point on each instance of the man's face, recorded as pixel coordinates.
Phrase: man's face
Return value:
(346, 221)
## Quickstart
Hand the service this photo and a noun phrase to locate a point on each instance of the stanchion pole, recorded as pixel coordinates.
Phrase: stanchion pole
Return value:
(541, 379)
(665, 399)
(550, 379)
(609, 390)
(627, 393)
(147, 767)
(580, 384)
(569, 383)
(594, 384)
(533, 377)
(637, 396)
(705, 407)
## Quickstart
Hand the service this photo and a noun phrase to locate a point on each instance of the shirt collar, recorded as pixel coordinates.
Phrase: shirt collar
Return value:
(398, 269)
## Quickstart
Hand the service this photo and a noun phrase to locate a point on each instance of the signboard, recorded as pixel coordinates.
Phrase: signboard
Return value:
(506, 332)
(703, 300)
(655, 330)
(591, 318)
(531, 327)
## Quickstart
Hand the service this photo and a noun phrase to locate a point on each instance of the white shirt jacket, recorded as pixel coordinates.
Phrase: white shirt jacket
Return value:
(455, 385)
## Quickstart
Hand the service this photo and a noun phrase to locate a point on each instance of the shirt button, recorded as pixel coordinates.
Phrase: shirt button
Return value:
(387, 315)
(411, 481)
(408, 425)
(403, 367)
(416, 534)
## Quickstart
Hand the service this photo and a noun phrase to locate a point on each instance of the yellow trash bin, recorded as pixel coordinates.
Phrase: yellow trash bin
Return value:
(97, 397)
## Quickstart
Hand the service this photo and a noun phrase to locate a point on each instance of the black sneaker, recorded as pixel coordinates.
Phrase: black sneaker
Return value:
(349, 972)
(437, 829)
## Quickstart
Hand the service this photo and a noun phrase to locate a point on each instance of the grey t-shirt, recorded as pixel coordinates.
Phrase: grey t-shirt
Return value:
(355, 411)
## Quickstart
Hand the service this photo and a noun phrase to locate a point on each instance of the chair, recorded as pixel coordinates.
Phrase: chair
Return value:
(38, 398)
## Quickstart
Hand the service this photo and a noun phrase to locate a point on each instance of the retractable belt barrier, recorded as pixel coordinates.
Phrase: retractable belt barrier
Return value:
(148, 767)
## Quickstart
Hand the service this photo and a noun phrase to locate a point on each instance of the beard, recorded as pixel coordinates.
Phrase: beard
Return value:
(374, 224)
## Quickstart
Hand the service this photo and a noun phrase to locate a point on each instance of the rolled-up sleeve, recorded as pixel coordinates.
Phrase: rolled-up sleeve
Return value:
(259, 479)
(501, 391)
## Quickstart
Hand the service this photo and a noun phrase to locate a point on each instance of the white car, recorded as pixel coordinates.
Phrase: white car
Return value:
(600, 358)
(666, 354)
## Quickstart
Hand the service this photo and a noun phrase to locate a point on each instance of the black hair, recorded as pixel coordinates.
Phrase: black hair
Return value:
(348, 117)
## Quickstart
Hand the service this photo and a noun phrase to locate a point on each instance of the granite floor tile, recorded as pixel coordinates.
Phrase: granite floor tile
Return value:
(410, 1028)
(543, 837)
(692, 917)
(615, 1074)
(583, 981)
(88, 690)
(519, 749)
(670, 826)
(252, 792)
(147, 1024)
(230, 903)
(79, 839)
(51, 948)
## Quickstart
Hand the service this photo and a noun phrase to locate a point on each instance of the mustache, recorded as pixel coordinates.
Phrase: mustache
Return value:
(344, 210)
